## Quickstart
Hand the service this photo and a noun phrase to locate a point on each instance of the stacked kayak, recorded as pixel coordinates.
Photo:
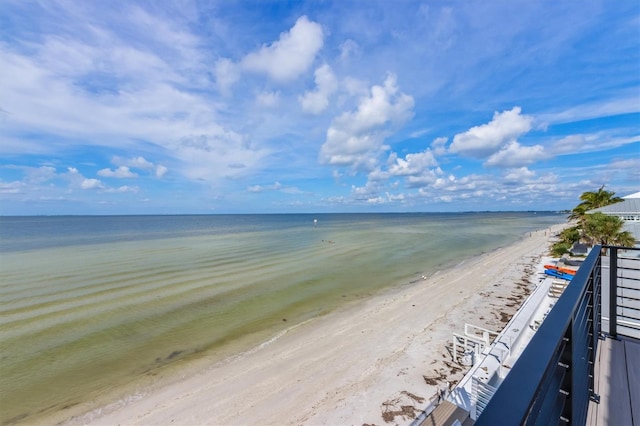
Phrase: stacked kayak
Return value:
(560, 269)
(559, 272)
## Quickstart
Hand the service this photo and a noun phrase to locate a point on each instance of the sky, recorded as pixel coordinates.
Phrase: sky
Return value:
(203, 107)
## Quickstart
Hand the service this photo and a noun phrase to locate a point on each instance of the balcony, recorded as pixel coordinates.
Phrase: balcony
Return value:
(583, 364)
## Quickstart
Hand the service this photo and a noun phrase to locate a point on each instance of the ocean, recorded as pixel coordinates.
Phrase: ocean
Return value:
(95, 308)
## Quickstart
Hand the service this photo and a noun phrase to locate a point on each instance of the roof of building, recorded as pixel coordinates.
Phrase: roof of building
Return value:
(579, 249)
(628, 206)
(634, 195)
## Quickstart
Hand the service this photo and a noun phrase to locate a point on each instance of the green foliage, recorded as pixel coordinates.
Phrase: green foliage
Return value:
(593, 200)
(577, 213)
(596, 228)
(625, 239)
(560, 248)
(599, 228)
(599, 198)
(570, 235)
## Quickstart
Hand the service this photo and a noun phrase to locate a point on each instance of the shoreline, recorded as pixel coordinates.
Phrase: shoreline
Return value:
(358, 365)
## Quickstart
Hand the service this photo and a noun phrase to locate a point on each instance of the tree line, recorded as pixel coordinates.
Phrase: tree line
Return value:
(593, 228)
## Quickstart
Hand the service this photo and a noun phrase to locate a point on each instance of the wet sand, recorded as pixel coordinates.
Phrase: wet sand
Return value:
(376, 362)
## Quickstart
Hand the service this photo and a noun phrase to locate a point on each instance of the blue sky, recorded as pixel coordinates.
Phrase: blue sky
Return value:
(316, 106)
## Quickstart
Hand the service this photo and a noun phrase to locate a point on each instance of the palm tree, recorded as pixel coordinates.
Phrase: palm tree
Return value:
(599, 228)
(594, 228)
(600, 198)
(578, 213)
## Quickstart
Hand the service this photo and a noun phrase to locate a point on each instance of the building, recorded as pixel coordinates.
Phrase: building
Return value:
(627, 210)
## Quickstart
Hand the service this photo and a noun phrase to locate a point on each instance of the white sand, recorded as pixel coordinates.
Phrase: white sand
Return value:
(349, 367)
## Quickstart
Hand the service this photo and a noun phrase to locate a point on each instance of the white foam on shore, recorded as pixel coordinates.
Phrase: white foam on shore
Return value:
(266, 343)
(102, 411)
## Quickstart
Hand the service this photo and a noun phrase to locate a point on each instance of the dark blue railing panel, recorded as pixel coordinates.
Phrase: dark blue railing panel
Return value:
(624, 313)
(553, 380)
(580, 386)
(549, 407)
(613, 293)
(544, 386)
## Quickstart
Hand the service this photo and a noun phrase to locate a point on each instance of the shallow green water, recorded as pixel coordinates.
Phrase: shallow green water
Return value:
(80, 318)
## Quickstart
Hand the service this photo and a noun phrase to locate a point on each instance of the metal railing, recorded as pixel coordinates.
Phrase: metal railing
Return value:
(552, 381)
(624, 282)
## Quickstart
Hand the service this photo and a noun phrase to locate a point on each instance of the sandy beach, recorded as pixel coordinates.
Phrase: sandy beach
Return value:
(376, 362)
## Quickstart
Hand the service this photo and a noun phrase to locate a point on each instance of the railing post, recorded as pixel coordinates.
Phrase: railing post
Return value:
(613, 291)
(595, 284)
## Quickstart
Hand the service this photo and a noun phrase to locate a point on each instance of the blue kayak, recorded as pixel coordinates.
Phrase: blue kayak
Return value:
(558, 274)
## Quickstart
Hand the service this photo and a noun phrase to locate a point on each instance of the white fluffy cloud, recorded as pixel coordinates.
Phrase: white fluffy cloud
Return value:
(40, 174)
(139, 162)
(418, 170)
(134, 163)
(514, 155)
(161, 170)
(355, 139)
(124, 188)
(486, 139)
(227, 73)
(222, 154)
(77, 180)
(276, 186)
(428, 177)
(348, 48)
(439, 146)
(283, 60)
(317, 100)
(412, 164)
(519, 175)
(91, 184)
(367, 193)
(14, 187)
(291, 55)
(260, 188)
(120, 172)
(268, 99)
(101, 91)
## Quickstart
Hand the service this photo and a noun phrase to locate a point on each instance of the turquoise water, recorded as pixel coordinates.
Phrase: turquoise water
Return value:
(90, 305)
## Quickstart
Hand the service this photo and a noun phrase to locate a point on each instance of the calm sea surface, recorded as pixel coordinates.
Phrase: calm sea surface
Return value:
(89, 305)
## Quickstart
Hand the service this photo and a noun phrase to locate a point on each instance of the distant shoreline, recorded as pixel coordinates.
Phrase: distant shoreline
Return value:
(284, 213)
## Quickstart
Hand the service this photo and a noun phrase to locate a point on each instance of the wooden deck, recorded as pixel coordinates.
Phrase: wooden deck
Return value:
(617, 381)
(446, 414)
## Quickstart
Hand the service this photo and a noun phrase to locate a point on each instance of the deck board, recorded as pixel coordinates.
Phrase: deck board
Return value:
(618, 403)
(632, 352)
(592, 413)
(446, 414)
(617, 381)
